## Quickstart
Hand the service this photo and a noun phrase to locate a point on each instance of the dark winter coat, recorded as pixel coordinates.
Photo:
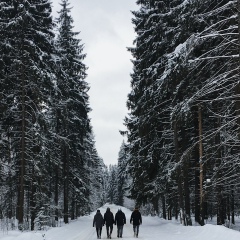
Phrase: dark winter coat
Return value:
(120, 218)
(98, 221)
(108, 218)
(136, 217)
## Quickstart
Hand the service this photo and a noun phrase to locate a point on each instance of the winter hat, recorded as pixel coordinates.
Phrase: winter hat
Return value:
(98, 210)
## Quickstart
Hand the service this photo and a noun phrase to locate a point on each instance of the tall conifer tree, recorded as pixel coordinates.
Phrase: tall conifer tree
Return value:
(71, 108)
(28, 46)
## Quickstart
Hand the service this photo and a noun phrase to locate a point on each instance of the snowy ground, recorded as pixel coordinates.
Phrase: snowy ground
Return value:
(152, 228)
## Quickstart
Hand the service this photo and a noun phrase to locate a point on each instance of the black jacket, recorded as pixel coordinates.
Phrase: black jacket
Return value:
(98, 220)
(136, 217)
(120, 218)
(108, 218)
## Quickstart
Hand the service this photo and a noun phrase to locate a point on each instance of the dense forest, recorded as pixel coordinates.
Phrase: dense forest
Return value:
(50, 168)
(183, 127)
(181, 158)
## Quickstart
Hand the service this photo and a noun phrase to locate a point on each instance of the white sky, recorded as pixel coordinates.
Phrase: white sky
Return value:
(152, 228)
(106, 31)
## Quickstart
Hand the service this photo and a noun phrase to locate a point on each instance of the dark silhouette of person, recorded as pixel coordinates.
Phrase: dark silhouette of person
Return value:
(109, 221)
(120, 220)
(98, 222)
(136, 219)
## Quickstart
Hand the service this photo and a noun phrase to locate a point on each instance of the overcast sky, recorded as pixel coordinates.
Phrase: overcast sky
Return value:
(106, 31)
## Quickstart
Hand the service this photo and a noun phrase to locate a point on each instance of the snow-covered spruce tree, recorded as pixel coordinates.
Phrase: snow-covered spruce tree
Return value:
(176, 29)
(96, 179)
(158, 26)
(72, 111)
(217, 49)
(179, 28)
(207, 82)
(112, 187)
(171, 71)
(143, 132)
(122, 174)
(26, 67)
(221, 99)
(8, 165)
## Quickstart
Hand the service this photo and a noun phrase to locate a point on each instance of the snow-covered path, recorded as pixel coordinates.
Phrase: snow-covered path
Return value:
(153, 228)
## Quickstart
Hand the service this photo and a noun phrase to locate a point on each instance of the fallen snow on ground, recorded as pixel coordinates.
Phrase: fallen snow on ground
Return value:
(153, 228)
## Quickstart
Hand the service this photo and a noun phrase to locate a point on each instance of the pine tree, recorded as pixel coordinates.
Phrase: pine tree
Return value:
(122, 175)
(98, 173)
(72, 107)
(142, 134)
(112, 187)
(27, 67)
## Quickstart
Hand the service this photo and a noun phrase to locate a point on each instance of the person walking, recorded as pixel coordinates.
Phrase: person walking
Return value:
(109, 221)
(136, 220)
(120, 220)
(98, 222)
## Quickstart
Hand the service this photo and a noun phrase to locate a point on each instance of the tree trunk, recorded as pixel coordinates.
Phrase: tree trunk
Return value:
(196, 167)
(56, 193)
(237, 88)
(66, 180)
(164, 207)
(179, 176)
(22, 161)
(11, 197)
(228, 209)
(156, 205)
(169, 213)
(176, 209)
(186, 184)
(56, 187)
(201, 166)
(187, 196)
(33, 201)
(232, 207)
(219, 179)
(73, 209)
